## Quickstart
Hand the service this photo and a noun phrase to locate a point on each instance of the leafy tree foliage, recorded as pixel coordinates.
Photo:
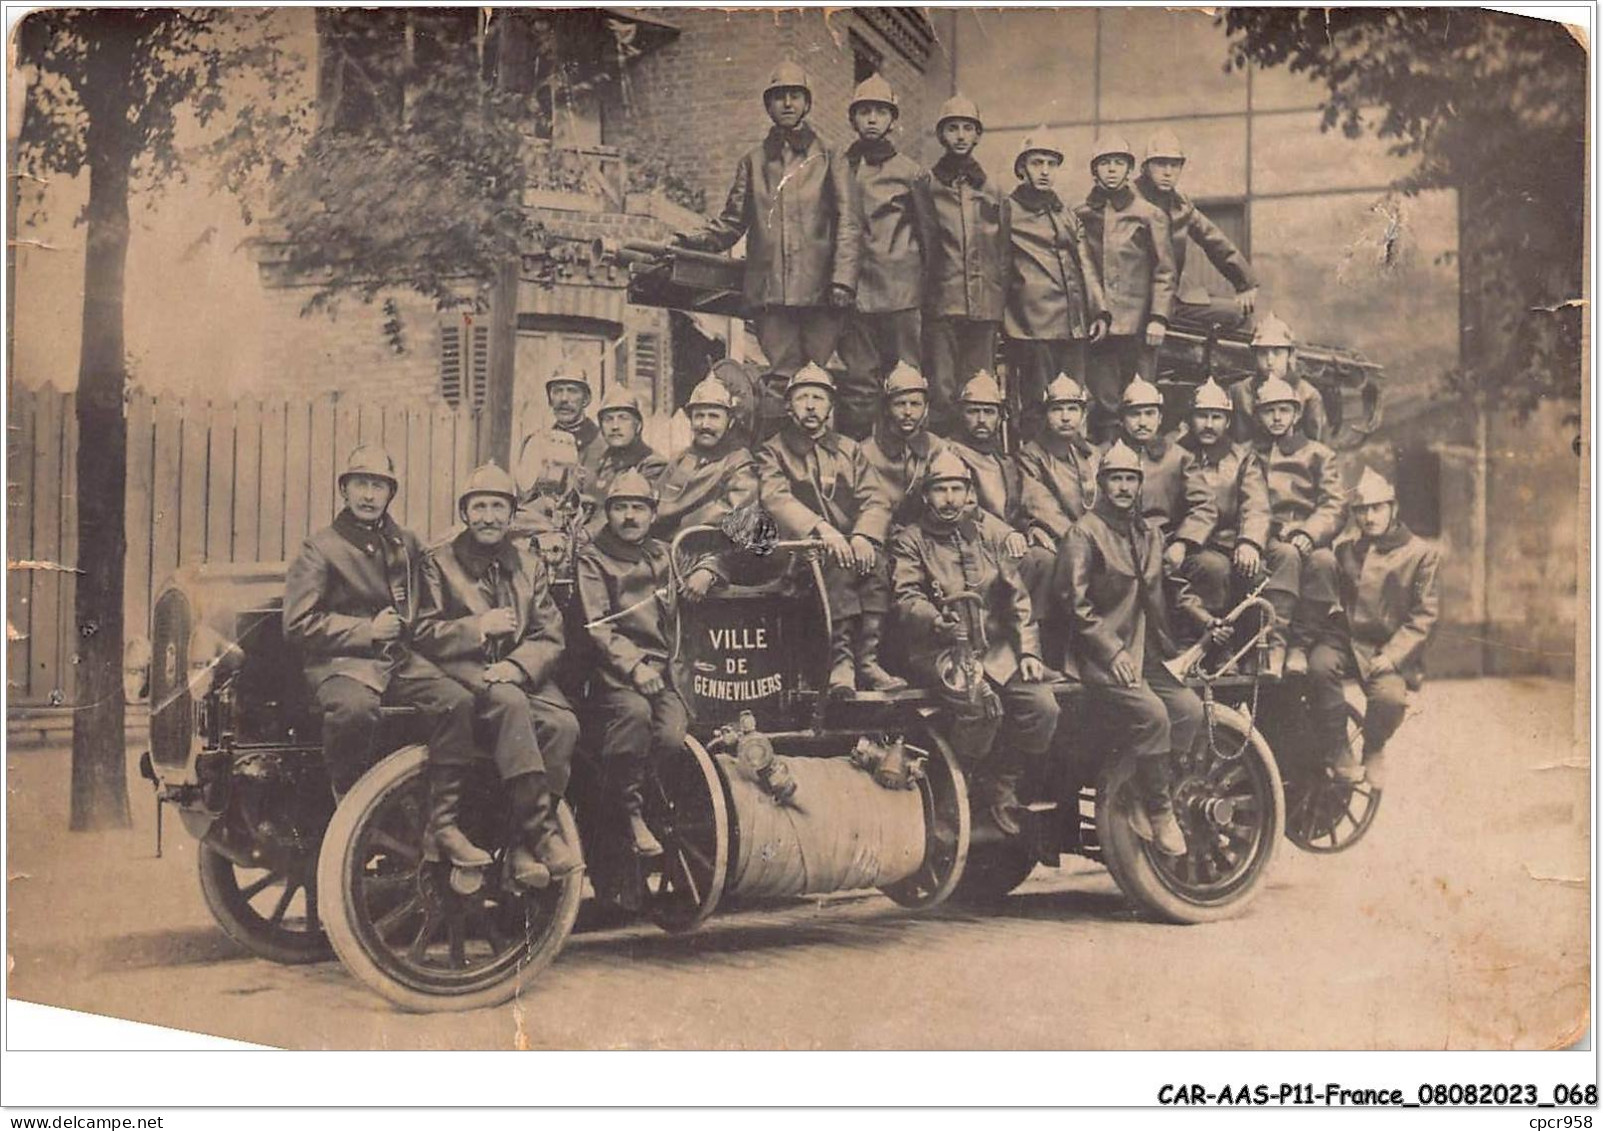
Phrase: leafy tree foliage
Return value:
(1493, 105)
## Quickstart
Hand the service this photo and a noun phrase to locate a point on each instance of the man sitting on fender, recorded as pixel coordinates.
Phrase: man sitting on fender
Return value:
(351, 604)
(489, 622)
(956, 548)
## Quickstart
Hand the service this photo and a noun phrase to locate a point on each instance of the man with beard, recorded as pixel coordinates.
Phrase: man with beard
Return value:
(902, 446)
(543, 458)
(817, 483)
(1387, 578)
(955, 548)
(622, 598)
(1110, 575)
(621, 450)
(351, 602)
(489, 622)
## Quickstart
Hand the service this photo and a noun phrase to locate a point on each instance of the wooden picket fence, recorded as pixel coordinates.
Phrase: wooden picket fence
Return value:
(229, 481)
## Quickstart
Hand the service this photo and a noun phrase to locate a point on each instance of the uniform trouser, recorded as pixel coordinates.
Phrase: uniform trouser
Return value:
(1109, 366)
(1308, 585)
(870, 347)
(851, 594)
(1035, 571)
(350, 713)
(954, 350)
(1220, 311)
(1330, 662)
(1024, 731)
(633, 729)
(527, 732)
(1157, 716)
(1034, 363)
(790, 337)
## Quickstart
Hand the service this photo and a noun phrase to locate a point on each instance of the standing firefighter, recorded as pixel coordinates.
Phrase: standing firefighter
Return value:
(981, 653)
(817, 483)
(351, 603)
(902, 445)
(489, 622)
(792, 200)
(1110, 577)
(623, 592)
(1387, 578)
(894, 215)
(967, 262)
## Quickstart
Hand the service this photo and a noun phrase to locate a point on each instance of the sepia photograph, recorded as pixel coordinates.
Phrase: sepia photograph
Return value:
(796, 528)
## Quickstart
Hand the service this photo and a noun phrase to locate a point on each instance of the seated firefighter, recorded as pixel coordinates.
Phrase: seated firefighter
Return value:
(1274, 355)
(622, 449)
(1387, 579)
(982, 657)
(902, 445)
(1110, 578)
(623, 600)
(489, 622)
(817, 483)
(351, 604)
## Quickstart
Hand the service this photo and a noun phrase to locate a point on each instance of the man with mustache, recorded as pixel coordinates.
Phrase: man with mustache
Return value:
(954, 548)
(489, 622)
(622, 599)
(545, 458)
(351, 604)
(621, 449)
(817, 483)
(902, 445)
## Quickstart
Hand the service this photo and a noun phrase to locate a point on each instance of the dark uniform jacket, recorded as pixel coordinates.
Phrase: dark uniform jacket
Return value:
(805, 482)
(1054, 291)
(1389, 593)
(1109, 575)
(998, 483)
(461, 582)
(792, 200)
(1174, 490)
(901, 466)
(700, 488)
(613, 462)
(1244, 420)
(930, 558)
(968, 259)
(1185, 220)
(894, 213)
(1305, 492)
(612, 576)
(1134, 255)
(1059, 482)
(346, 574)
(1240, 493)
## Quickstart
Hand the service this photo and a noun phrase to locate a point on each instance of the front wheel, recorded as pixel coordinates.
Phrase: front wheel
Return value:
(1229, 802)
(271, 911)
(400, 924)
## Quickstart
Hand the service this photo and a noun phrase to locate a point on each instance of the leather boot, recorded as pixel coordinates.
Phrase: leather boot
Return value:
(643, 841)
(1162, 828)
(441, 838)
(543, 852)
(870, 676)
(842, 665)
(1005, 772)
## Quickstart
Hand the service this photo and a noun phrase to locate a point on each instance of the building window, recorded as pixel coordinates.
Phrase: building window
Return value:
(1418, 478)
(907, 30)
(1200, 275)
(865, 60)
(464, 362)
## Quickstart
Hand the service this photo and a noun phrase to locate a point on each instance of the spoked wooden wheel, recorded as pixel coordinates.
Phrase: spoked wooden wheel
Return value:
(1230, 806)
(271, 911)
(688, 813)
(946, 829)
(404, 928)
(1324, 815)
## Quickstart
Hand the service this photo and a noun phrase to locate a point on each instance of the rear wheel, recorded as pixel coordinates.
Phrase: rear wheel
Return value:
(687, 812)
(270, 911)
(1324, 815)
(407, 928)
(946, 830)
(1230, 805)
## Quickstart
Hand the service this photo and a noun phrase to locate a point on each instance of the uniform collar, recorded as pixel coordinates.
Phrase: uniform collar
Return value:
(614, 547)
(875, 152)
(892, 444)
(1393, 538)
(950, 167)
(583, 433)
(798, 141)
(1054, 445)
(1154, 449)
(629, 455)
(726, 446)
(1130, 520)
(476, 559)
(1213, 455)
(1032, 199)
(366, 536)
(966, 527)
(1292, 442)
(1120, 198)
(800, 443)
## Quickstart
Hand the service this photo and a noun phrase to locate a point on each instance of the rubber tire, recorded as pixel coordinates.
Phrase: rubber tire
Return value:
(239, 920)
(1125, 853)
(333, 871)
(1355, 718)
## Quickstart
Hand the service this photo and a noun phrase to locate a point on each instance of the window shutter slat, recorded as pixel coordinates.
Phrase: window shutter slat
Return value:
(451, 366)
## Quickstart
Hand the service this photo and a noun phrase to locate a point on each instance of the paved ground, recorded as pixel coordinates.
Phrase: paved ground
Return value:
(1461, 922)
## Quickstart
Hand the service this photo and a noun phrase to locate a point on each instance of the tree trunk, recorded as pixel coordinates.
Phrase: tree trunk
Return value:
(99, 756)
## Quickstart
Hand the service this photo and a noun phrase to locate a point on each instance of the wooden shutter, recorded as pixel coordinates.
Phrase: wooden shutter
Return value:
(648, 366)
(451, 363)
(479, 364)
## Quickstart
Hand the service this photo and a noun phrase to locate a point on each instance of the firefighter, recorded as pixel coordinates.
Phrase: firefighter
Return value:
(1110, 577)
(1274, 354)
(894, 217)
(550, 463)
(711, 479)
(1230, 560)
(817, 483)
(623, 594)
(489, 622)
(1059, 466)
(1006, 717)
(1176, 497)
(1054, 296)
(1134, 258)
(967, 261)
(1307, 511)
(1158, 184)
(621, 449)
(351, 603)
(902, 445)
(792, 200)
(1387, 578)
